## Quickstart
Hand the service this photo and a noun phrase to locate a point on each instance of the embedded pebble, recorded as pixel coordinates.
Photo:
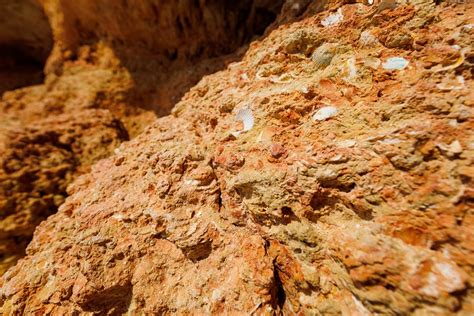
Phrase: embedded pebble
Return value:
(119, 217)
(390, 141)
(468, 27)
(283, 78)
(216, 295)
(277, 150)
(368, 39)
(333, 19)
(347, 143)
(119, 160)
(191, 182)
(324, 113)
(372, 62)
(459, 84)
(338, 159)
(455, 147)
(452, 149)
(453, 123)
(395, 63)
(351, 64)
(295, 7)
(304, 90)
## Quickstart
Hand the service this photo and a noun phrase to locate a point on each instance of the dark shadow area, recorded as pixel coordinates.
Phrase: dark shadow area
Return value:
(166, 46)
(207, 38)
(17, 69)
(25, 43)
(114, 300)
(278, 292)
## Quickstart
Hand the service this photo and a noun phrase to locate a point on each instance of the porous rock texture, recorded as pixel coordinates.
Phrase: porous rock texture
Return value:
(367, 211)
(111, 67)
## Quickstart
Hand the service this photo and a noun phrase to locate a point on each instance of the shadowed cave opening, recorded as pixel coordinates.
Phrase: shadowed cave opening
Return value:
(202, 47)
(18, 69)
(25, 43)
(166, 47)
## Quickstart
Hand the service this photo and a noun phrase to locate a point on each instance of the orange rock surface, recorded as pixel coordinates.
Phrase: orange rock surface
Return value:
(110, 69)
(329, 171)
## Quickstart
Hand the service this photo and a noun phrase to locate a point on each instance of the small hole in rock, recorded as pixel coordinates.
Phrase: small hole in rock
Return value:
(286, 211)
(287, 215)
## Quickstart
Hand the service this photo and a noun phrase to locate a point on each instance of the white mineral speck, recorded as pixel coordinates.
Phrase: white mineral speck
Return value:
(191, 182)
(333, 19)
(306, 299)
(324, 113)
(455, 147)
(395, 63)
(360, 307)
(453, 123)
(390, 141)
(347, 143)
(430, 288)
(351, 64)
(468, 26)
(216, 295)
(449, 273)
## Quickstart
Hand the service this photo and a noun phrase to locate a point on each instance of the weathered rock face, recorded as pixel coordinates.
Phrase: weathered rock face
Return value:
(38, 162)
(105, 81)
(163, 43)
(327, 172)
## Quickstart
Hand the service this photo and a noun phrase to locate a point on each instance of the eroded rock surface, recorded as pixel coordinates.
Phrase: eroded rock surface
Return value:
(245, 200)
(39, 162)
(114, 67)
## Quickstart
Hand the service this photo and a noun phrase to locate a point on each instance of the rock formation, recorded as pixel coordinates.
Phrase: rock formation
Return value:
(328, 171)
(105, 81)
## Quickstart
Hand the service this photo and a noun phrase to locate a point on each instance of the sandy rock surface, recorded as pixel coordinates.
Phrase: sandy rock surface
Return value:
(327, 172)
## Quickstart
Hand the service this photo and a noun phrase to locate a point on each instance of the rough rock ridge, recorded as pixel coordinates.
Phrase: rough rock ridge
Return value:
(327, 172)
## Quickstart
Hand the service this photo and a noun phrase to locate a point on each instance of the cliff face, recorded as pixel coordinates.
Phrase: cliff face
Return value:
(163, 45)
(113, 67)
(329, 171)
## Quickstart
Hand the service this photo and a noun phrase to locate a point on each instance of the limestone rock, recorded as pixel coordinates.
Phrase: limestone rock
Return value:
(364, 213)
(105, 79)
